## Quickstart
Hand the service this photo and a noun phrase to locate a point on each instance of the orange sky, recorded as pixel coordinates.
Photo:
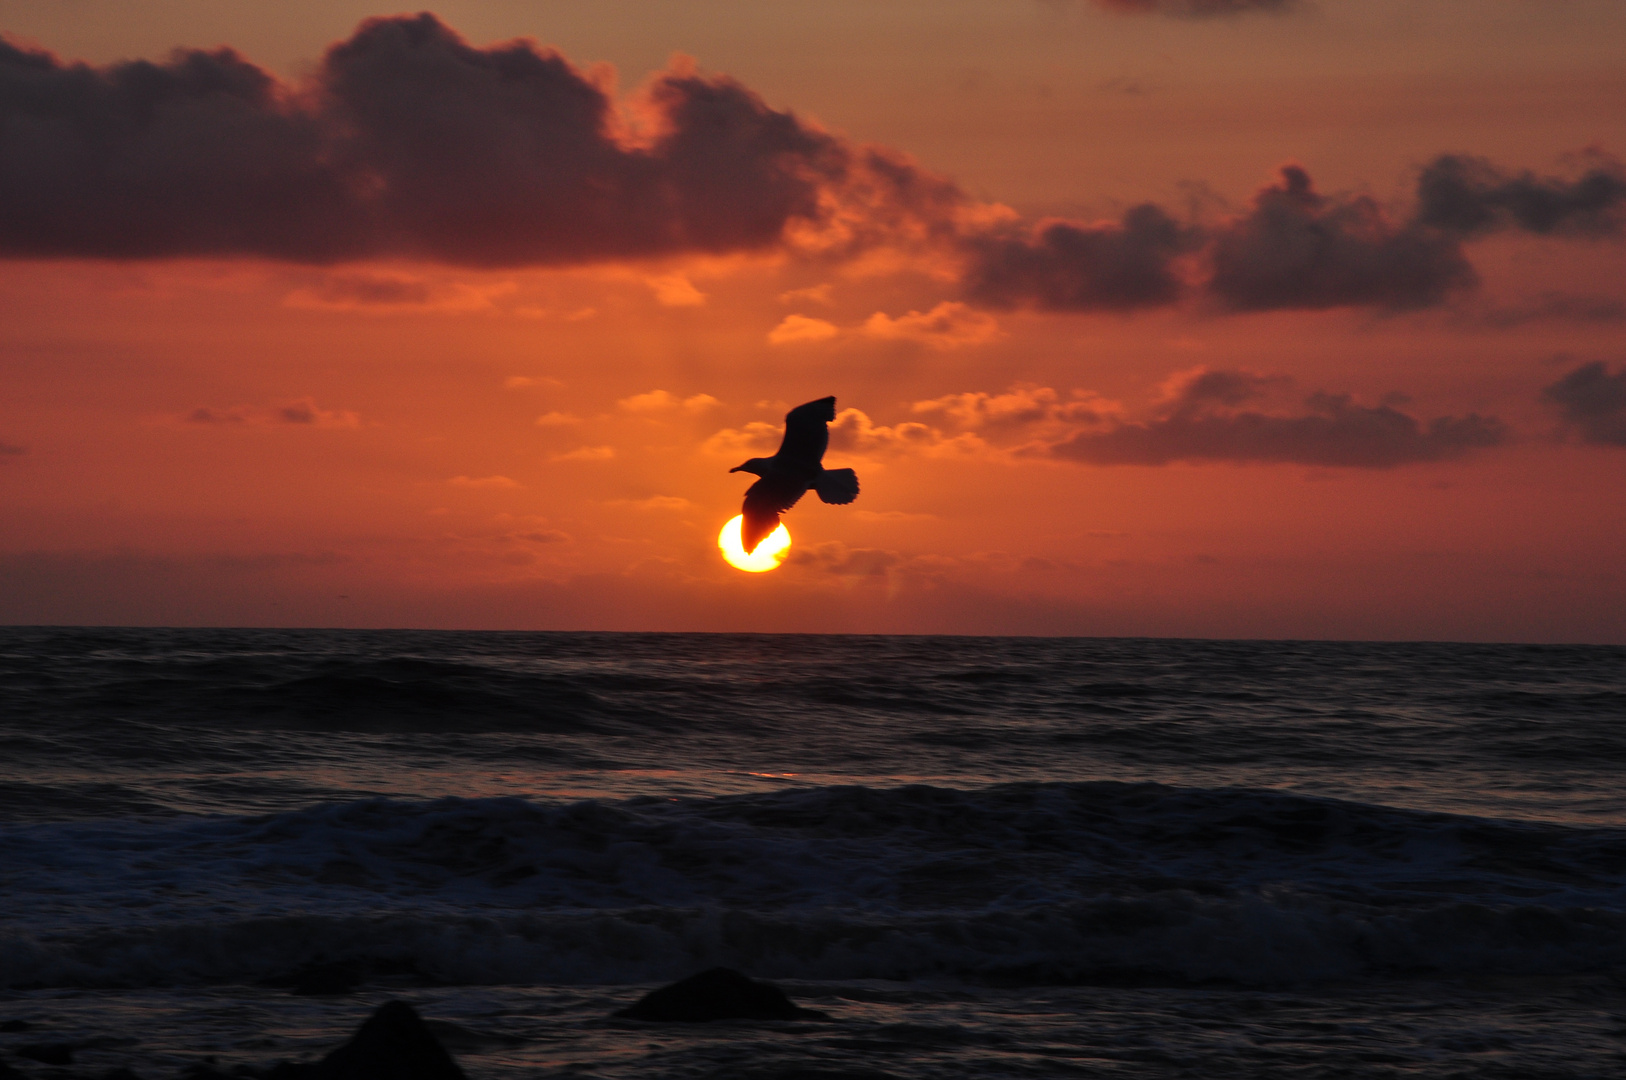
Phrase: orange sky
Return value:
(1305, 321)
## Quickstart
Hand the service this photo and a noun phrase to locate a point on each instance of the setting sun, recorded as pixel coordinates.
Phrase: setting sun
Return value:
(768, 554)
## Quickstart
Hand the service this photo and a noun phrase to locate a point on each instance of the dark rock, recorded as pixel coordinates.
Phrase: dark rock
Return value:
(290, 1070)
(47, 1053)
(16, 1025)
(718, 994)
(797, 1072)
(393, 1044)
(207, 1069)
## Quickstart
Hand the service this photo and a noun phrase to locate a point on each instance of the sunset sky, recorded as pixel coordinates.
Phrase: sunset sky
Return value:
(1219, 318)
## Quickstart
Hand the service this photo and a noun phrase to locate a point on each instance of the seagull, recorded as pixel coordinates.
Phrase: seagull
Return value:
(797, 466)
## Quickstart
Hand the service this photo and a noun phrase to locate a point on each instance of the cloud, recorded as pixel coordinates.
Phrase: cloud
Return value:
(949, 325)
(757, 436)
(302, 411)
(659, 401)
(306, 411)
(654, 502)
(675, 290)
(816, 294)
(557, 419)
(1300, 249)
(1203, 414)
(796, 329)
(1469, 196)
(1201, 418)
(892, 515)
(1592, 402)
(393, 293)
(834, 557)
(855, 433)
(11, 449)
(1023, 411)
(1195, 9)
(406, 141)
(1552, 307)
(586, 453)
(236, 415)
(1069, 266)
(852, 432)
(490, 482)
(1294, 249)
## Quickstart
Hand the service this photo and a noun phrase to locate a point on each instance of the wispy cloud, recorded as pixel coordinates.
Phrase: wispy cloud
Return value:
(662, 401)
(1196, 9)
(488, 482)
(586, 453)
(300, 412)
(385, 294)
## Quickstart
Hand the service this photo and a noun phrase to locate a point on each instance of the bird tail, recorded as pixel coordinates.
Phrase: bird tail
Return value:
(838, 486)
(757, 527)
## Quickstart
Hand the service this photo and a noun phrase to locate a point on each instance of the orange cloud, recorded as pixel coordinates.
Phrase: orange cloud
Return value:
(796, 329)
(675, 290)
(659, 401)
(949, 325)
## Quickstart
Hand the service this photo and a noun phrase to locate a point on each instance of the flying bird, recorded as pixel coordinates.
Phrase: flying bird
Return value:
(797, 466)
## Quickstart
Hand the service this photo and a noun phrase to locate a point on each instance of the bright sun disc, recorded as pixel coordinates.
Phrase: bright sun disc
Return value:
(768, 555)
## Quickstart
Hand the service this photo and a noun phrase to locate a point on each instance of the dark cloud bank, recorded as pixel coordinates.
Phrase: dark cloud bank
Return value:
(409, 142)
(1295, 248)
(1206, 420)
(1195, 9)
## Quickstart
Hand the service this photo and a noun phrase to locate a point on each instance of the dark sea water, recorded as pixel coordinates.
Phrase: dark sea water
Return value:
(981, 857)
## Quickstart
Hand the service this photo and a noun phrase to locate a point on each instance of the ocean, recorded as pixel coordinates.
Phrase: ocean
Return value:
(980, 857)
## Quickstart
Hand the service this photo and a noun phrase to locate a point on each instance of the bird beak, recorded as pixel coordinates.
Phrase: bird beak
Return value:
(736, 468)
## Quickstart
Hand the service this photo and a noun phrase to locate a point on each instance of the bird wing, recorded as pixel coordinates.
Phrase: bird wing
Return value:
(765, 500)
(806, 432)
(837, 486)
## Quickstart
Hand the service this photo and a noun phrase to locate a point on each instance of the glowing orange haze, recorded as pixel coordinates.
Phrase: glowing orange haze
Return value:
(231, 437)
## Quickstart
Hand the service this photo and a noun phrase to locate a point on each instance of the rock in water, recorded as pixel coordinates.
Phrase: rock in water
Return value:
(718, 994)
(47, 1053)
(393, 1044)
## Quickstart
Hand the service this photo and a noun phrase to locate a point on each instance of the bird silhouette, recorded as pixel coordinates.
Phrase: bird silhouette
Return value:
(797, 466)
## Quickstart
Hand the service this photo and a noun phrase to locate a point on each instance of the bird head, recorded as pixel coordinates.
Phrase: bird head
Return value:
(757, 465)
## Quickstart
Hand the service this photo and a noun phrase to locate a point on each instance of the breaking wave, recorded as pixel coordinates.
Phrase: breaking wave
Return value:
(1024, 883)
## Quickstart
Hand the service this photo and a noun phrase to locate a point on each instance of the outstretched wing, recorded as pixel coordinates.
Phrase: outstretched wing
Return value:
(765, 500)
(806, 432)
(838, 486)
